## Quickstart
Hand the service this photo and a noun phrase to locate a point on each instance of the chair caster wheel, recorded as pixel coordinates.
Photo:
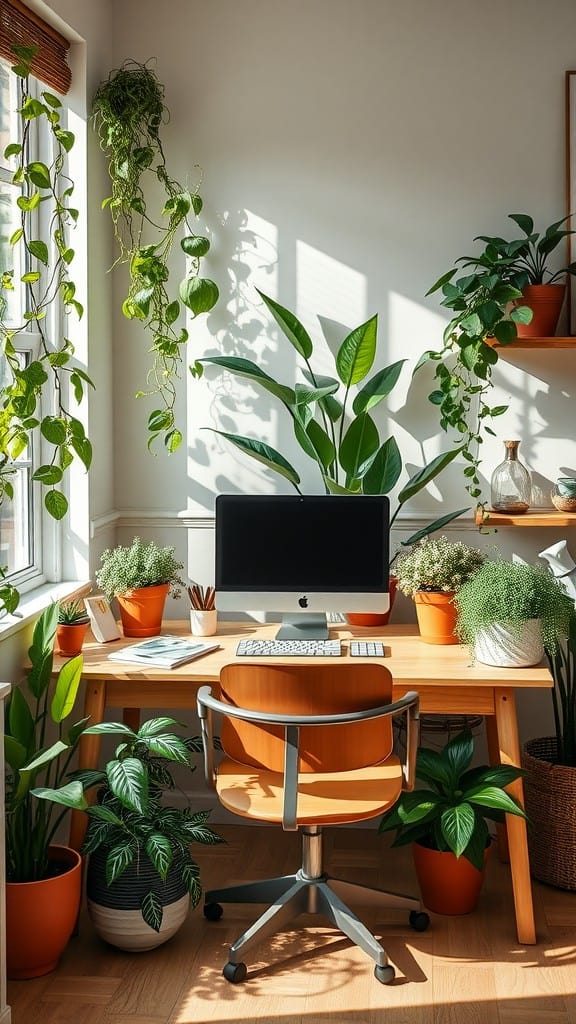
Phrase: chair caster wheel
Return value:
(213, 911)
(419, 920)
(235, 972)
(384, 974)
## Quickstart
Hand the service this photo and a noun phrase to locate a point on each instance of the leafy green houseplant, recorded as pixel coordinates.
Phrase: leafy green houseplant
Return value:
(485, 294)
(513, 593)
(332, 417)
(437, 564)
(43, 266)
(132, 834)
(71, 629)
(128, 113)
(448, 817)
(39, 745)
(141, 564)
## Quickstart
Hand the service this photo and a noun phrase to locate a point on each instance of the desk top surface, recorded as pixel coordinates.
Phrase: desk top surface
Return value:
(410, 660)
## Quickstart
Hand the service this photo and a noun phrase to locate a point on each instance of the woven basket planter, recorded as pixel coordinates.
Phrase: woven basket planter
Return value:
(550, 793)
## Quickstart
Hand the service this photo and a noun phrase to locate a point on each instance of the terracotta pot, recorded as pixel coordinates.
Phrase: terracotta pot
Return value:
(373, 618)
(436, 614)
(69, 638)
(41, 916)
(448, 884)
(115, 909)
(141, 610)
(545, 301)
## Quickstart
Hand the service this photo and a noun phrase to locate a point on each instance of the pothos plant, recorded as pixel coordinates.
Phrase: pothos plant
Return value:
(344, 443)
(128, 112)
(46, 275)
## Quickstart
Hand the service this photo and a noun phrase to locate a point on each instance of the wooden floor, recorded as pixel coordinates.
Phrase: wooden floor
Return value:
(466, 970)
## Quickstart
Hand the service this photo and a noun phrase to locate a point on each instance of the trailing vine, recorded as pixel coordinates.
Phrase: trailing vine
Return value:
(128, 112)
(47, 279)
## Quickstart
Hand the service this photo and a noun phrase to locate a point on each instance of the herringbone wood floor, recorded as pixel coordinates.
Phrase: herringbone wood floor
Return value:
(466, 970)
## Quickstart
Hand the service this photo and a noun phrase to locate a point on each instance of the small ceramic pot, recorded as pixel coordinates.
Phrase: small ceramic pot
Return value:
(203, 623)
(566, 486)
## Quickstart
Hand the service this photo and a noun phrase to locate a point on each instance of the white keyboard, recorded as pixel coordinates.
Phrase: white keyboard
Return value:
(288, 648)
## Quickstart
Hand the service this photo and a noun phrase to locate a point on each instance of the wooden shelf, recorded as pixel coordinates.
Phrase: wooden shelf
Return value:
(534, 343)
(536, 517)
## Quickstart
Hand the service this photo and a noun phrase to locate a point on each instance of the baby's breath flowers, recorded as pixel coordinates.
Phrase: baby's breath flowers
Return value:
(140, 565)
(436, 563)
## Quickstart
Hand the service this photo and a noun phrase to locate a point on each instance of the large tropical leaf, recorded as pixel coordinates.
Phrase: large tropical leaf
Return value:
(170, 747)
(359, 444)
(457, 825)
(156, 725)
(160, 853)
(263, 453)
(476, 849)
(128, 780)
(20, 724)
(251, 371)
(314, 440)
(385, 469)
(494, 798)
(378, 387)
(424, 476)
(458, 754)
(66, 689)
(290, 325)
(431, 767)
(356, 353)
(71, 795)
(432, 527)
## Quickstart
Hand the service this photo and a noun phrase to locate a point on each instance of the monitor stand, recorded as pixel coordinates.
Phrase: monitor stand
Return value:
(303, 626)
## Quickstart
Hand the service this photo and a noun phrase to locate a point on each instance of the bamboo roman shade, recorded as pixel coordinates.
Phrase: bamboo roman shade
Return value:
(22, 27)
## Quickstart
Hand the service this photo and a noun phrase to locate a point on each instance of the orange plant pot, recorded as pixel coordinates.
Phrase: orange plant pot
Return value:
(436, 617)
(545, 301)
(41, 916)
(373, 618)
(141, 610)
(69, 638)
(448, 884)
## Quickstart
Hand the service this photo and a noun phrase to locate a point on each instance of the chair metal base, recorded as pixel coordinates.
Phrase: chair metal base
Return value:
(309, 891)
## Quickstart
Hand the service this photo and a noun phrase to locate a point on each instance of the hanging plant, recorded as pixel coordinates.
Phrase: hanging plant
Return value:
(46, 263)
(128, 112)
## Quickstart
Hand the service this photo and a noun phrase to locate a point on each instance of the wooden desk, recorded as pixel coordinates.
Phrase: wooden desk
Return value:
(445, 679)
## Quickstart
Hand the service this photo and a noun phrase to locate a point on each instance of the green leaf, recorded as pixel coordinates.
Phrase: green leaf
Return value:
(128, 780)
(495, 798)
(12, 149)
(505, 332)
(66, 689)
(356, 353)
(172, 441)
(385, 470)
(476, 849)
(195, 245)
(172, 312)
(70, 795)
(458, 753)
(56, 504)
(441, 281)
(83, 448)
(199, 294)
(431, 767)
(294, 331)
(524, 222)
(457, 825)
(246, 368)
(314, 440)
(377, 388)
(152, 911)
(53, 428)
(521, 315)
(20, 723)
(159, 851)
(119, 858)
(154, 726)
(432, 527)
(359, 444)
(170, 747)
(39, 174)
(263, 453)
(424, 476)
(46, 756)
(48, 475)
(160, 419)
(39, 249)
(16, 236)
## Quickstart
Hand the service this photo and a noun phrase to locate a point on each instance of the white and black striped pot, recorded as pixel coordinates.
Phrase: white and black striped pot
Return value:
(115, 909)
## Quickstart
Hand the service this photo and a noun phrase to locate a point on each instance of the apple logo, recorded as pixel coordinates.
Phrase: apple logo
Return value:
(303, 602)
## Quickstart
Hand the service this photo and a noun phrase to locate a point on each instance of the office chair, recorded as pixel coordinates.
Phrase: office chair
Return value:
(307, 746)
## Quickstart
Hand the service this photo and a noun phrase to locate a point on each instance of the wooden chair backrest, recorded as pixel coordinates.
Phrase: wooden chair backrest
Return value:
(313, 690)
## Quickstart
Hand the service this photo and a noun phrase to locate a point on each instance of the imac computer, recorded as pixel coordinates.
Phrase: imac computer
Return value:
(302, 556)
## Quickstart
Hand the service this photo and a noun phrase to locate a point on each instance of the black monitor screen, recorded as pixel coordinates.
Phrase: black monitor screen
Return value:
(315, 543)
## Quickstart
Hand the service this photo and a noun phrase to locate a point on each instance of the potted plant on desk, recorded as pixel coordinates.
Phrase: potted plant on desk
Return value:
(430, 574)
(141, 876)
(73, 622)
(43, 879)
(140, 576)
(446, 822)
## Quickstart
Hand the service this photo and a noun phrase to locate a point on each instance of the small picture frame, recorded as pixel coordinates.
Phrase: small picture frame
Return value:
(102, 621)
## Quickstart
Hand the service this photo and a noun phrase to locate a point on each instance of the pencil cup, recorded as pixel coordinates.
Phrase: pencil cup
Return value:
(203, 623)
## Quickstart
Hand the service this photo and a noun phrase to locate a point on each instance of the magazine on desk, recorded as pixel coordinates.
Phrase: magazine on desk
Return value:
(164, 651)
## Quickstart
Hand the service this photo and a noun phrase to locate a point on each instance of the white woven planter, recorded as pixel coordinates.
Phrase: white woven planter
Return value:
(498, 645)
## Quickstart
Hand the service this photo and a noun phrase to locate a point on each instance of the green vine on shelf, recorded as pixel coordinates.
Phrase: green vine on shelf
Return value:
(128, 112)
(48, 282)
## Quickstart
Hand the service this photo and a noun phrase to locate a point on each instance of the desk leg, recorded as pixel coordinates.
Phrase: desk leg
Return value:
(509, 751)
(88, 753)
(494, 758)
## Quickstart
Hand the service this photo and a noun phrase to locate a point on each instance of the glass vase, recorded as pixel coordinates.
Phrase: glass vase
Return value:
(511, 488)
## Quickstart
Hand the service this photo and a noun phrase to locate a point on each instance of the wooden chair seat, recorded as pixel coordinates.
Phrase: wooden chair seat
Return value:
(328, 798)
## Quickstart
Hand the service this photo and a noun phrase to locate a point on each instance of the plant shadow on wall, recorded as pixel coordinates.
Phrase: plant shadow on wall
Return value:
(43, 266)
(332, 417)
(128, 112)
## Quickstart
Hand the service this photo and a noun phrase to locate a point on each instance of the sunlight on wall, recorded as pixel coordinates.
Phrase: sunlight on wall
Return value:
(329, 288)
